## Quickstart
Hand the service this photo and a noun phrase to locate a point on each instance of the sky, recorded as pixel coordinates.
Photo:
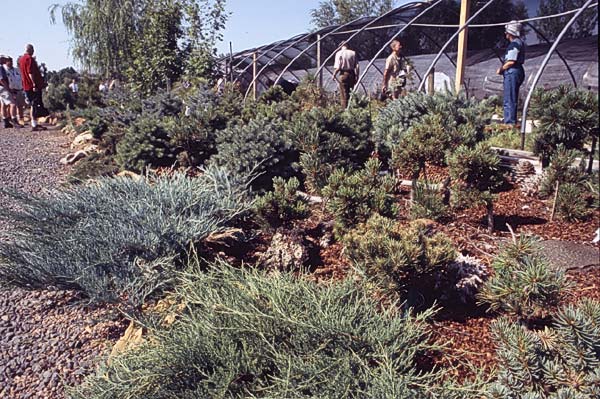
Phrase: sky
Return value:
(251, 23)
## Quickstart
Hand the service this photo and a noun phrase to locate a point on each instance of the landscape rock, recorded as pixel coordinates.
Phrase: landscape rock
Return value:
(83, 139)
(289, 250)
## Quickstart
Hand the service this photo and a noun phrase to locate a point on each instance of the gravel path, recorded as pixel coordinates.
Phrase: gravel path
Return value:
(48, 339)
(29, 161)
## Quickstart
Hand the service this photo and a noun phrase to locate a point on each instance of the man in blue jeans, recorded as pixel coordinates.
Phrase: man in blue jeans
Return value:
(512, 70)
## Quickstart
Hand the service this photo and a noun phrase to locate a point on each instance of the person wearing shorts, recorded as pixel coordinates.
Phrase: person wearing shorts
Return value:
(7, 99)
(15, 83)
(33, 84)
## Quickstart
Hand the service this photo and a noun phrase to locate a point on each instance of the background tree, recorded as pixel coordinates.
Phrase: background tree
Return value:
(105, 33)
(157, 59)
(333, 12)
(584, 26)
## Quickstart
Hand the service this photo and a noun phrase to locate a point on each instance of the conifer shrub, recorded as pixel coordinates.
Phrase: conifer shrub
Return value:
(427, 201)
(353, 197)
(194, 136)
(561, 171)
(247, 334)
(571, 203)
(399, 115)
(425, 141)
(146, 143)
(117, 239)
(475, 173)
(524, 283)
(568, 116)
(398, 259)
(282, 205)
(260, 147)
(162, 104)
(561, 361)
(328, 139)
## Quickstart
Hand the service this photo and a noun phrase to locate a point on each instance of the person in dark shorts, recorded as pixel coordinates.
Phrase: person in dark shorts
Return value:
(33, 84)
(346, 65)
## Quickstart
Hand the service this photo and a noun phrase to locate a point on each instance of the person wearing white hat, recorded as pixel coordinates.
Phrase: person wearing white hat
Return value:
(7, 99)
(512, 70)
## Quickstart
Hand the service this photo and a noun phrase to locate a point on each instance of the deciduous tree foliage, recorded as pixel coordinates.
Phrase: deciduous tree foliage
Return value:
(105, 33)
(551, 28)
(332, 12)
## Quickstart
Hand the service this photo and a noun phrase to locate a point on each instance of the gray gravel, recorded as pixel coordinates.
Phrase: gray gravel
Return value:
(29, 162)
(48, 339)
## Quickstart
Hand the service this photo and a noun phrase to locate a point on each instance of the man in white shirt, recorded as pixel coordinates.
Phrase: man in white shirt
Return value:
(74, 87)
(15, 84)
(346, 65)
(394, 76)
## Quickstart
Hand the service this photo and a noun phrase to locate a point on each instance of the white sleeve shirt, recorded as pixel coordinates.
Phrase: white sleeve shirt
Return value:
(345, 60)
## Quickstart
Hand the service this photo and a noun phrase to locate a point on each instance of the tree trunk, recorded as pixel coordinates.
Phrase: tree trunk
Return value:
(490, 215)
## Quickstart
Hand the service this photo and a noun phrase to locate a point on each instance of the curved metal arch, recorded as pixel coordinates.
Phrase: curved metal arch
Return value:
(294, 42)
(540, 34)
(251, 51)
(373, 21)
(540, 71)
(394, 37)
(279, 54)
(303, 52)
(439, 55)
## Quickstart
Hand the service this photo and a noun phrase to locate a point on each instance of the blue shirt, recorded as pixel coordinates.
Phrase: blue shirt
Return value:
(515, 52)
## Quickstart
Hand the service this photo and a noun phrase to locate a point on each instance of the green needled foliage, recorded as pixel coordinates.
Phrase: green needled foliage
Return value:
(328, 139)
(464, 118)
(427, 201)
(145, 144)
(398, 259)
(116, 239)
(558, 362)
(524, 283)
(245, 334)
(259, 147)
(561, 171)
(568, 117)
(282, 205)
(352, 197)
(475, 174)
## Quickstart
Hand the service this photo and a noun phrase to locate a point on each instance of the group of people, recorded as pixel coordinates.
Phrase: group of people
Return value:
(396, 71)
(21, 85)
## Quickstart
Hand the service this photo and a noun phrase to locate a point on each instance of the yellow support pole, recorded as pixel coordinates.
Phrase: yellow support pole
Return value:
(465, 6)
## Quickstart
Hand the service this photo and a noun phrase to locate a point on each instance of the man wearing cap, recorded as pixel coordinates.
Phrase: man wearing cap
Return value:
(346, 65)
(512, 70)
(7, 99)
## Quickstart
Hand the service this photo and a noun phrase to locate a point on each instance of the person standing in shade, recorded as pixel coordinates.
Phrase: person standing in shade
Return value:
(346, 66)
(7, 99)
(394, 75)
(15, 83)
(33, 84)
(512, 70)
